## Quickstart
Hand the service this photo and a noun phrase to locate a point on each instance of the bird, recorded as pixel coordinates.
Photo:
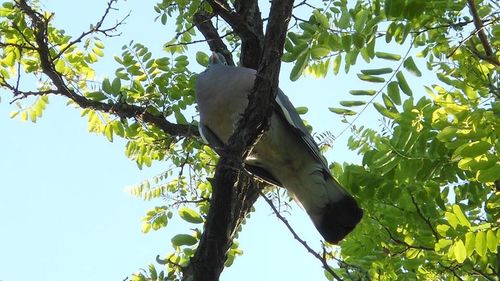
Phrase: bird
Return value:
(286, 155)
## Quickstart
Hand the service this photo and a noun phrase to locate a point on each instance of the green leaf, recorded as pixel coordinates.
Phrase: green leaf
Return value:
(96, 96)
(472, 149)
(384, 111)
(344, 21)
(410, 65)
(442, 229)
(387, 56)
(146, 227)
(99, 44)
(459, 251)
(152, 272)
(469, 243)
(460, 215)
(190, 215)
(481, 243)
(491, 241)
(336, 64)
(393, 92)
(403, 84)
(183, 239)
(489, 175)
(360, 20)
(301, 110)
(106, 86)
(321, 18)
(179, 117)
(352, 103)
(358, 40)
(318, 52)
(362, 92)
(108, 132)
(300, 65)
(202, 58)
(447, 134)
(388, 103)
(118, 128)
(452, 219)
(13, 114)
(341, 111)
(116, 86)
(442, 244)
(370, 78)
(296, 39)
(346, 42)
(377, 71)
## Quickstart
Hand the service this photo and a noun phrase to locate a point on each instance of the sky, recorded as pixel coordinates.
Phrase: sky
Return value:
(64, 212)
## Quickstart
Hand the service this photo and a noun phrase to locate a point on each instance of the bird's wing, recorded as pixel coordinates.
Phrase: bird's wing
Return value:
(210, 138)
(287, 111)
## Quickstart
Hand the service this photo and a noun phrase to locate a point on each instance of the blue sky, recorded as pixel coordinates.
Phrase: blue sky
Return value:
(63, 210)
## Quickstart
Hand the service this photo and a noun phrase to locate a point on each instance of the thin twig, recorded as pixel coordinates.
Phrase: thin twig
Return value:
(96, 29)
(195, 41)
(301, 241)
(426, 220)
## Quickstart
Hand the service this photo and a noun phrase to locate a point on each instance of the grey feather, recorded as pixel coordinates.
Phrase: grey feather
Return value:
(286, 155)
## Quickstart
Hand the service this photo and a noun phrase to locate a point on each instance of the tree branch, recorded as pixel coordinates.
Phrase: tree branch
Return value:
(426, 220)
(124, 110)
(237, 23)
(234, 192)
(95, 29)
(251, 46)
(203, 22)
(489, 54)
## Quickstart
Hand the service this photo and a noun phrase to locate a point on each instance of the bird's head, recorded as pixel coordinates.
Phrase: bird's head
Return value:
(338, 219)
(217, 58)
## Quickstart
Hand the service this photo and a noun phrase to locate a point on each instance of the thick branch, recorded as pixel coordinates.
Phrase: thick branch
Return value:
(233, 192)
(121, 109)
(237, 23)
(489, 54)
(251, 46)
(203, 22)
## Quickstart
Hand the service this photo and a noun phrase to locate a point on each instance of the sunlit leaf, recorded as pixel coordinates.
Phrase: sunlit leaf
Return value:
(393, 92)
(403, 84)
(469, 243)
(352, 103)
(183, 240)
(491, 241)
(342, 111)
(202, 58)
(387, 56)
(299, 66)
(301, 110)
(489, 175)
(190, 215)
(460, 215)
(459, 251)
(371, 78)
(377, 71)
(481, 243)
(362, 92)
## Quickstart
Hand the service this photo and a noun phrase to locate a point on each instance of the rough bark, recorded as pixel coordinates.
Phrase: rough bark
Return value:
(233, 191)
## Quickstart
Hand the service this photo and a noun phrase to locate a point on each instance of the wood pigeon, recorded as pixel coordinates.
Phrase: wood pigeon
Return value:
(286, 155)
